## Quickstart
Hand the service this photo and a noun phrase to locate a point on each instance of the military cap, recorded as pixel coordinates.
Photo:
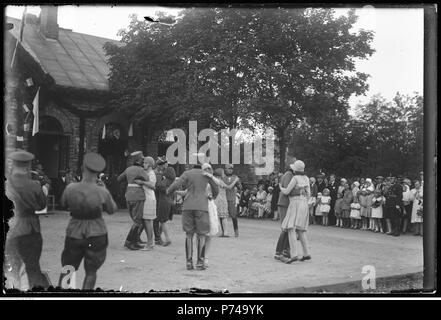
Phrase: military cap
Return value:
(379, 177)
(21, 156)
(229, 166)
(94, 162)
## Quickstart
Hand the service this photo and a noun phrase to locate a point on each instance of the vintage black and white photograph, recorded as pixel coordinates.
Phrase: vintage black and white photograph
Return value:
(223, 149)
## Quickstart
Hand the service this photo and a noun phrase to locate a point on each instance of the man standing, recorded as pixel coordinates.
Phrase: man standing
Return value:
(321, 184)
(333, 188)
(161, 165)
(231, 196)
(379, 183)
(282, 248)
(195, 212)
(24, 242)
(86, 234)
(135, 198)
(396, 203)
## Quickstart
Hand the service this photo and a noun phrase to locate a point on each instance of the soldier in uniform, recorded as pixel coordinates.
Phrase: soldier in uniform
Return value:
(86, 234)
(135, 198)
(321, 184)
(231, 196)
(24, 242)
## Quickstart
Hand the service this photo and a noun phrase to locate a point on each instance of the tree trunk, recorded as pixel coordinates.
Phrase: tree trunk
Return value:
(282, 148)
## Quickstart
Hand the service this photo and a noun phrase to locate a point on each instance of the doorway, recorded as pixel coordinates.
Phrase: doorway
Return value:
(51, 148)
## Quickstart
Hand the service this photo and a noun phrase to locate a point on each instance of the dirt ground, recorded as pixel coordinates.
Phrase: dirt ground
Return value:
(245, 264)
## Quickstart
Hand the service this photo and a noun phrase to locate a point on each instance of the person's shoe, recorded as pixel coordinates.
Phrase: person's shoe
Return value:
(200, 265)
(189, 265)
(284, 259)
(158, 242)
(236, 233)
(289, 261)
(132, 246)
(147, 248)
(142, 242)
(278, 256)
(304, 258)
(166, 243)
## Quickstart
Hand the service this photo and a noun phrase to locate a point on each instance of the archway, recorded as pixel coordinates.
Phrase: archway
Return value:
(51, 148)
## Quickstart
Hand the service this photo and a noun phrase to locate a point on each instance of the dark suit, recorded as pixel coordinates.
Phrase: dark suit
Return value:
(333, 188)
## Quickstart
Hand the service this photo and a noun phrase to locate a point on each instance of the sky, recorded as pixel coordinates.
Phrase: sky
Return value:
(396, 66)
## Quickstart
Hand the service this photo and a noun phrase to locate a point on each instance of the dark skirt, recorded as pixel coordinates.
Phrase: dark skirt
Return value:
(164, 206)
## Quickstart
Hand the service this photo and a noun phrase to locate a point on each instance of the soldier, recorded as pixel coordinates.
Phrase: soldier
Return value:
(86, 234)
(231, 196)
(195, 212)
(24, 242)
(135, 198)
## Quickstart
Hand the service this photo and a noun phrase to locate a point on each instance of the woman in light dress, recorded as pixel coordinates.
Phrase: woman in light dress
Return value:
(297, 216)
(417, 217)
(149, 211)
(221, 200)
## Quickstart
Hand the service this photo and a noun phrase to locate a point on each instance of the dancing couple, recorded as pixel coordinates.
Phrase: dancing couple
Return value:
(141, 201)
(293, 208)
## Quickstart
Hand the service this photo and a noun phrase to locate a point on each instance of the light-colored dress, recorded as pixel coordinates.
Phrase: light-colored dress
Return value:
(417, 195)
(149, 211)
(355, 211)
(377, 212)
(318, 212)
(221, 200)
(297, 214)
(325, 206)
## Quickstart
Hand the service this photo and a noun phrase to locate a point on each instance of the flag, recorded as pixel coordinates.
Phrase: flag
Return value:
(20, 37)
(35, 126)
(131, 130)
(104, 132)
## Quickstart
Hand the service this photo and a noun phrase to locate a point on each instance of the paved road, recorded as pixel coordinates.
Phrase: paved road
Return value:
(243, 264)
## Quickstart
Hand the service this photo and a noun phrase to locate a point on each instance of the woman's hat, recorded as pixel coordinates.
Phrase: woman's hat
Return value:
(229, 166)
(357, 184)
(206, 166)
(270, 188)
(298, 166)
(369, 180)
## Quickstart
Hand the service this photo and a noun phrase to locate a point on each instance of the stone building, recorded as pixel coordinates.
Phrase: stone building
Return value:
(71, 72)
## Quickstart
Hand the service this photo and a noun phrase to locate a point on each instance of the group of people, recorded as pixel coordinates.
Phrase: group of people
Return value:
(210, 198)
(86, 233)
(388, 205)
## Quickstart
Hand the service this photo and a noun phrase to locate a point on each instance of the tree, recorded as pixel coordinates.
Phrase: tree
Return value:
(306, 67)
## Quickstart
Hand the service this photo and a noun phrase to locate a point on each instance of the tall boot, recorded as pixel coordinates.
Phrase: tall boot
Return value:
(189, 252)
(89, 281)
(200, 265)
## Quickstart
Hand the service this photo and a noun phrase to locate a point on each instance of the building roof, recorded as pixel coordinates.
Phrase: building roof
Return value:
(74, 60)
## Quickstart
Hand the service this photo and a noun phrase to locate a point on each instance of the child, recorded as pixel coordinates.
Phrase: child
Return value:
(318, 213)
(338, 210)
(377, 210)
(325, 205)
(355, 213)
